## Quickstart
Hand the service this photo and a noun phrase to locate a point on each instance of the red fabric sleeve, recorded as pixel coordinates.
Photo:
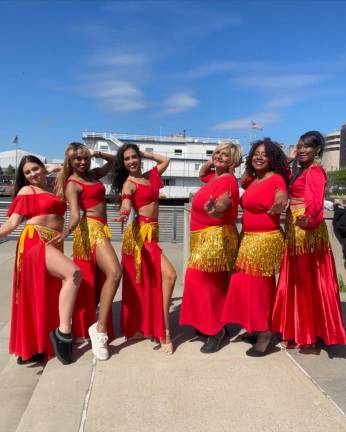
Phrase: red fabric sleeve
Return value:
(207, 177)
(280, 184)
(245, 183)
(155, 178)
(25, 205)
(314, 195)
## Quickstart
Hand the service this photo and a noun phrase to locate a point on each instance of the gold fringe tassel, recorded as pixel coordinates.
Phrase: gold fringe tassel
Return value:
(214, 249)
(300, 241)
(134, 237)
(260, 253)
(88, 234)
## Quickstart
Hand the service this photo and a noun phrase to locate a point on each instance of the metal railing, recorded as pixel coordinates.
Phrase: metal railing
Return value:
(171, 222)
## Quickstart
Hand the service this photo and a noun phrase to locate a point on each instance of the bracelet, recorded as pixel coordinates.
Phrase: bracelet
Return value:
(124, 212)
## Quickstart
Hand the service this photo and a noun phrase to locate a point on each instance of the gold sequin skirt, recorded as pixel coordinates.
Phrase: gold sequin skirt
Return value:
(134, 237)
(88, 234)
(213, 249)
(304, 241)
(260, 253)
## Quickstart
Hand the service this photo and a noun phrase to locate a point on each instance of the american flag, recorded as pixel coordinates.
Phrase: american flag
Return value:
(255, 125)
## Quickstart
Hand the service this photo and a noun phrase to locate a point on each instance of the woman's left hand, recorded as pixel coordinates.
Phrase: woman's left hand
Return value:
(302, 221)
(210, 206)
(58, 238)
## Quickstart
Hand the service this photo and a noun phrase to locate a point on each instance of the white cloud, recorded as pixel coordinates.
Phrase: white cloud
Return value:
(114, 95)
(179, 102)
(110, 58)
(277, 82)
(244, 123)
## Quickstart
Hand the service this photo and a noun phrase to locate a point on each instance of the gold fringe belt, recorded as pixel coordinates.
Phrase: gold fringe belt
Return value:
(214, 249)
(45, 234)
(260, 253)
(134, 237)
(301, 241)
(88, 234)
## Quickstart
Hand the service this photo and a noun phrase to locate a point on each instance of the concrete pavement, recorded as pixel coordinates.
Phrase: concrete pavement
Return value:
(141, 389)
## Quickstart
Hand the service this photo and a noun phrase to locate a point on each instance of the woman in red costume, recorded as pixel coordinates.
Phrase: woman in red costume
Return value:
(148, 276)
(92, 249)
(252, 286)
(45, 282)
(213, 246)
(307, 304)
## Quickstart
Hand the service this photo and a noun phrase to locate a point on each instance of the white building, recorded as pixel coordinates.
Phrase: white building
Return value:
(13, 157)
(186, 154)
(331, 155)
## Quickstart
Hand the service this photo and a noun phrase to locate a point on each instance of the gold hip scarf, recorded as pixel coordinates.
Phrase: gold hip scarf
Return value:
(214, 249)
(304, 241)
(88, 234)
(260, 253)
(134, 237)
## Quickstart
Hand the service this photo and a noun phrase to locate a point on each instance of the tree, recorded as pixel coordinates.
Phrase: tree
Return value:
(1, 171)
(10, 170)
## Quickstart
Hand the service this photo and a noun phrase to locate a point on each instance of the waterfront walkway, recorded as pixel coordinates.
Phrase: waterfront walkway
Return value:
(140, 389)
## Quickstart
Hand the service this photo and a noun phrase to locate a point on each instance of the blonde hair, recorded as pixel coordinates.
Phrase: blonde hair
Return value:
(66, 171)
(234, 150)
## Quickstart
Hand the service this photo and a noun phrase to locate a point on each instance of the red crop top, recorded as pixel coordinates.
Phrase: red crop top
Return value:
(91, 194)
(37, 204)
(146, 194)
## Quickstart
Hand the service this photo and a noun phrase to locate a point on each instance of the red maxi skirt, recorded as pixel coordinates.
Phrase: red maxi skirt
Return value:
(142, 301)
(307, 304)
(212, 254)
(252, 286)
(89, 233)
(35, 295)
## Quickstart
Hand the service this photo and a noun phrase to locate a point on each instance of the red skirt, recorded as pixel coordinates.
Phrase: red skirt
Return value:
(307, 305)
(35, 301)
(142, 302)
(203, 300)
(89, 233)
(250, 301)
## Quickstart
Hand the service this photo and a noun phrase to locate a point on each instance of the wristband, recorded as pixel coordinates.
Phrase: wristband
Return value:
(124, 212)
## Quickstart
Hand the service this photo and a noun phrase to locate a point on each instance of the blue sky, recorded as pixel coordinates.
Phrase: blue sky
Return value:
(209, 67)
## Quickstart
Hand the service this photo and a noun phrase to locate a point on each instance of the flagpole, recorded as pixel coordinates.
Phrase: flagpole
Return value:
(15, 171)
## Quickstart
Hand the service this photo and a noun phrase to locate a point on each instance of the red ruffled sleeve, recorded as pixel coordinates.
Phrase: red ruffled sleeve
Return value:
(207, 177)
(25, 205)
(155, 178)
(315, 185)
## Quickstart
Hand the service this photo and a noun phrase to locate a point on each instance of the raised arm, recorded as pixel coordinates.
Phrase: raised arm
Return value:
(50, 168)
(205, 168)
(104, 170)
(161, 161)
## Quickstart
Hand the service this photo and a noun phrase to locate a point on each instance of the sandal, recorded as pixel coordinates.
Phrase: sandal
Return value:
(167, 347)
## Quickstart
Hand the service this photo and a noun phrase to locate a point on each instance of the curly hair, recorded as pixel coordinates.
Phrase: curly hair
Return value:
(277, 159)
(20, 180)
(120, 173)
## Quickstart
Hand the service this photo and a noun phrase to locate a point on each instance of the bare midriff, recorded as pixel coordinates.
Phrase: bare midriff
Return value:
(98, 210)
(52, 221)
(297, 202)
(150, 210)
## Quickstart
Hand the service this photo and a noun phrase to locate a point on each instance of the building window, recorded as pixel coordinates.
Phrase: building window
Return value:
(149, 149)
(169, 182)
(178, 152)
(197, 167)
(209, 152)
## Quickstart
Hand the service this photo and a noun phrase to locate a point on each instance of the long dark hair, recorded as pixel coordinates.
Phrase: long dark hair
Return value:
(310, 139)
(120, 173)
(277, 159)
(20, 180)
(314, 139)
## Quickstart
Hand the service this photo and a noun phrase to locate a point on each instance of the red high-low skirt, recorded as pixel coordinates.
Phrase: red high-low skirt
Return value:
(142, 300)
(35, 296)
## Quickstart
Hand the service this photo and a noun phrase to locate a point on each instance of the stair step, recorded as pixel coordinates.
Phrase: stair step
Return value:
(58, 400)
(17, 384)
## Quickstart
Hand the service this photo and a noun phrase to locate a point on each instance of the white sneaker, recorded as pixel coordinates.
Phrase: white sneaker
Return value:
(98, 343)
